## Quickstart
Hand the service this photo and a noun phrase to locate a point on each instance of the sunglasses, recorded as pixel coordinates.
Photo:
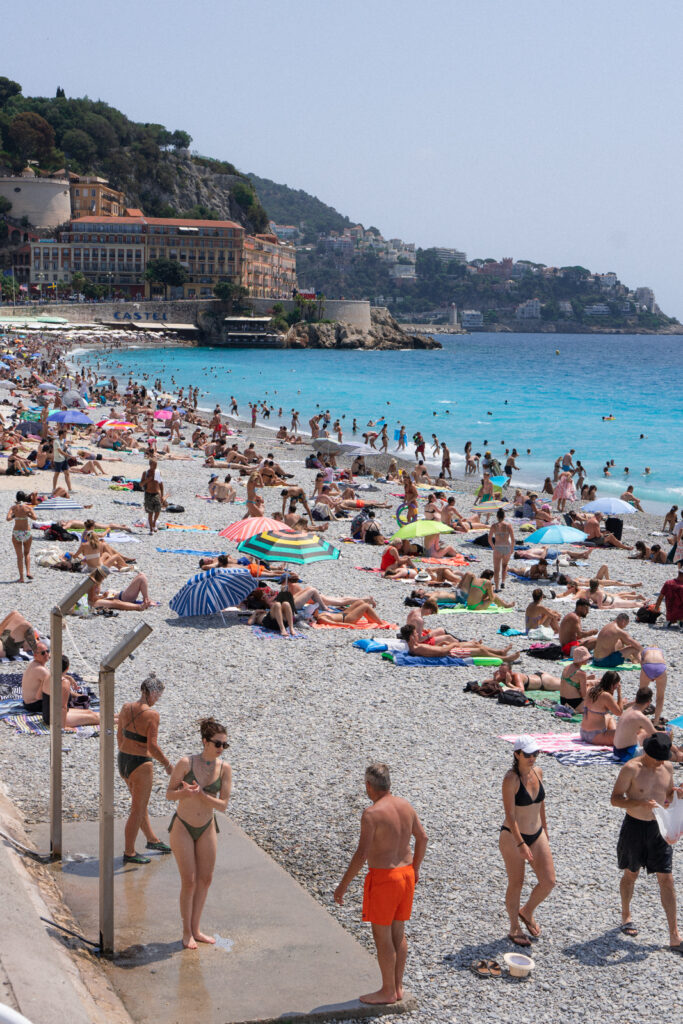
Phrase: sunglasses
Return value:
(42, 652)
(220, 744)
(524, 754)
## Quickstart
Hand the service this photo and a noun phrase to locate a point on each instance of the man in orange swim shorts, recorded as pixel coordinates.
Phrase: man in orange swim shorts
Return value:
(386, 829)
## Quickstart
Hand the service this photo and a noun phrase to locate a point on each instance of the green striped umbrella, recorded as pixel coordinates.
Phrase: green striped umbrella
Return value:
(297, 548)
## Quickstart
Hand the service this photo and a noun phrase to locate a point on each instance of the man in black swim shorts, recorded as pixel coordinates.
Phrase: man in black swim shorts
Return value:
(641, 784)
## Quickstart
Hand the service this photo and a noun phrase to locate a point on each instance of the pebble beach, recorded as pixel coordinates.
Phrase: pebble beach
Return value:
(306, 716)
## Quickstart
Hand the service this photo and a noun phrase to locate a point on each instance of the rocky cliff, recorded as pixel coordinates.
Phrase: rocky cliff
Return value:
(385, 333)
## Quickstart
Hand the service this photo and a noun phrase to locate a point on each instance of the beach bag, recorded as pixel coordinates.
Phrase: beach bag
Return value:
(80, 700)
(175, 508)
(647, 614)
(541, 633)
(515, 699)
(57, 532)
(553, 652)
(670, 820)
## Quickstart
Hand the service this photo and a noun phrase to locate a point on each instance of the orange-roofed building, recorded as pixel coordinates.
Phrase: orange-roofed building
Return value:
(94, 196)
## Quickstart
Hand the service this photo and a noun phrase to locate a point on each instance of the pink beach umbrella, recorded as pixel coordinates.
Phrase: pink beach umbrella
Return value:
(243, 529)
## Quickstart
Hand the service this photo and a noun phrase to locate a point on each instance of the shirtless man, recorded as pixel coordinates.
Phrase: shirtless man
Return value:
(153, 487)
(295, 494)
(570, 632)
(633, 726)
(642, 783)
(393, 871)
(614, 645)
(35, 679)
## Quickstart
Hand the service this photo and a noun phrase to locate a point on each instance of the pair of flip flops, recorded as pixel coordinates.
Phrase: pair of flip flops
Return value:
(486, 968)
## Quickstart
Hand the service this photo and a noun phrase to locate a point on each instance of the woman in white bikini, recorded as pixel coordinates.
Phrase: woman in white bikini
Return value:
(20, 513)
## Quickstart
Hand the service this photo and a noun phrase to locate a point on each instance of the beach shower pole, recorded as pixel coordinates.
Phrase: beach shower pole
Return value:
(56, 629)
(108, 667)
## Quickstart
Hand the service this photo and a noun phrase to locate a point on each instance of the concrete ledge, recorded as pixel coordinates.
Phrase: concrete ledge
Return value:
(289, 959)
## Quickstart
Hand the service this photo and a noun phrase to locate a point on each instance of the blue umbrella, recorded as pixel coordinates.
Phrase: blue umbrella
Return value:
(610, 507)
(212, 591)
(69, 416)
(556, 534)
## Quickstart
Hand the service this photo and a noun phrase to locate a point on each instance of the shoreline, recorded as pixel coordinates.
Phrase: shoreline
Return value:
(530, 477)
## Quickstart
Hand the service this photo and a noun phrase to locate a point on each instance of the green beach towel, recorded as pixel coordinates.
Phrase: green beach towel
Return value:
(462, 609)
(627, 667)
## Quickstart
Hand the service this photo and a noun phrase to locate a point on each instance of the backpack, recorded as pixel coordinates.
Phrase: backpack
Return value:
(175, 508)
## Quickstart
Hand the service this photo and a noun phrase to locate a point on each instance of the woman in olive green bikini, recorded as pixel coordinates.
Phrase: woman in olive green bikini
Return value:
(201, 785)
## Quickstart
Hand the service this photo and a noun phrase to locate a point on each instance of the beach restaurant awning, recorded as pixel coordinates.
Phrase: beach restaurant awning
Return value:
(149, 327)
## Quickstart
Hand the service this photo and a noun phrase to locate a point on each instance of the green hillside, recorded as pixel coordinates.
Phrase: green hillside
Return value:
(287, 205)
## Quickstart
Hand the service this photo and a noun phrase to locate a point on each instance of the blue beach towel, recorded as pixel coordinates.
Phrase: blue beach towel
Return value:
(409, 661)
(190, 551)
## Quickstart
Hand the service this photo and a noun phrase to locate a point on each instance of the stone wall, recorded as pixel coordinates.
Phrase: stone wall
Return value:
(180, 312)
(350, 311)
(185, 311)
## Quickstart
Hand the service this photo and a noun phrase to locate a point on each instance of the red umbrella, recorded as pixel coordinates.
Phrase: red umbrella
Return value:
(243, 529)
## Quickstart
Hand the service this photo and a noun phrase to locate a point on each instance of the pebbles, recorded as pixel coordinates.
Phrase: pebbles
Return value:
(305, 718)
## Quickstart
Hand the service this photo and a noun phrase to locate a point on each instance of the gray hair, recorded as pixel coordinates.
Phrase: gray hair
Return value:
(377, 776)
(152, 685)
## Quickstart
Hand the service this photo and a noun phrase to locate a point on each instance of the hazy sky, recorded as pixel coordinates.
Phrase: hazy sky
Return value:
(539, 130)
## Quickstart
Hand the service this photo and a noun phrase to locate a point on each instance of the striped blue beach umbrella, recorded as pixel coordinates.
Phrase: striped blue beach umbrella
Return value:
(212, 591)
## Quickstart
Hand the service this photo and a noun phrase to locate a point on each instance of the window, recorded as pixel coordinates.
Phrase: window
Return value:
(92, 192)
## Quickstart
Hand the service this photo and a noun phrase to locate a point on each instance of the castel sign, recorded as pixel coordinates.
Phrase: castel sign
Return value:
(137, 315)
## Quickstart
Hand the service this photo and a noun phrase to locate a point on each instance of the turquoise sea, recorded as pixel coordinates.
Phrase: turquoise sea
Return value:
(497, 390)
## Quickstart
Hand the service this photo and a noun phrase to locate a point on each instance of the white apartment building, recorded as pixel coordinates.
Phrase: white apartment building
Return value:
(471, 318)
(450, 255)
(529, 310)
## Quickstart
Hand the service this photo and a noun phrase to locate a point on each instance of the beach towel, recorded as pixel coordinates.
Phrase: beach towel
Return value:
(510, 631)
(120, 487)
(556, 742)
(410, 661)
(362, 623)
(179, 526)
(119, 537)
(33, 725)
(190, 551)
(550, 701)
(366, 568)
(135, 504)
(269, 634)
(456, 560)
(461, 609)
(678, 722)
(627, 667)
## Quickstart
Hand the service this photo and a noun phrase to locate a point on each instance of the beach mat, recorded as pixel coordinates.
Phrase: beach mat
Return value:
(362, 623)
(627, 667)
(459, 560)
(269, 634)
(411, 661)
(462, 610)
(190, 551)
(556, 742)
(549, 700)
(33, 725)
(678, 722)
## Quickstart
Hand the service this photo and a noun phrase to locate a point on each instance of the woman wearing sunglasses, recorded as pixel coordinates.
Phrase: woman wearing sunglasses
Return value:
(524, 839)
(201, 785)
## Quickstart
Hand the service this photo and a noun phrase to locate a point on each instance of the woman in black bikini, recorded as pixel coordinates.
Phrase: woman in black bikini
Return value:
(138, 728)
(524, 805)
(201, 784)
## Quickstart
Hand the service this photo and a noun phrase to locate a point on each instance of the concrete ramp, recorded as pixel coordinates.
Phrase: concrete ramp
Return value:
(279, 957)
